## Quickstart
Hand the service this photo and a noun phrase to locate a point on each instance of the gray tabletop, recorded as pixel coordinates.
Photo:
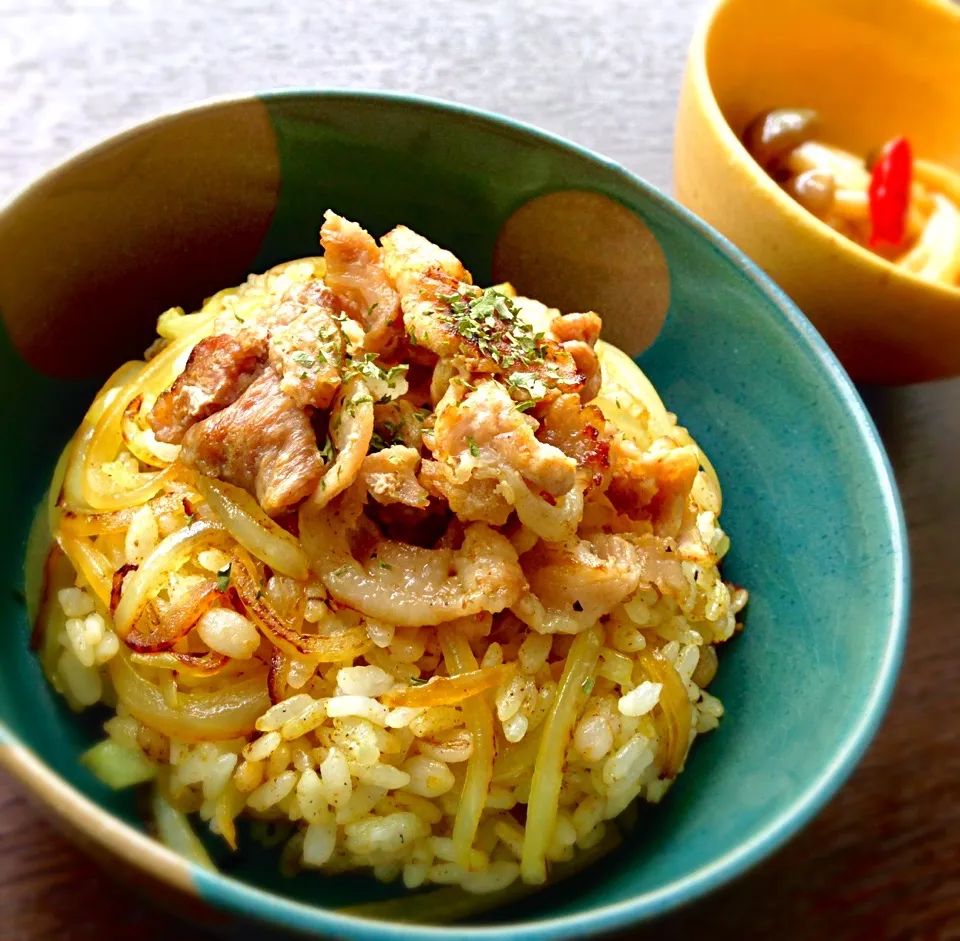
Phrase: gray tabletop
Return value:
(603, 72)
(881, 861)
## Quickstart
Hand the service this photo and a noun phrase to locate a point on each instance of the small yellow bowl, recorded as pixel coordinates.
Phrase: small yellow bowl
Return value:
(872, 70)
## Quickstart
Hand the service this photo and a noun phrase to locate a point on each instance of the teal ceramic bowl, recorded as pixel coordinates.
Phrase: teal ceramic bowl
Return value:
(175, 209)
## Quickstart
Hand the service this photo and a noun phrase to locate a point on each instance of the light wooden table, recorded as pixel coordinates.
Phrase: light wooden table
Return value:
(883, 860)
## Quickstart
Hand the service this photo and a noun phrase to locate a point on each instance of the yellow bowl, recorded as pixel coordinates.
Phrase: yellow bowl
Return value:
(872, 70)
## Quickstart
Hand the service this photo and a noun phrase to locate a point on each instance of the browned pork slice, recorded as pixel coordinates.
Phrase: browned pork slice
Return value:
(390, 476)
(262, 442)
(488, 461)
(578, 335)
(299, 336)
(482, 330)
(399, 422)
(355, 274)
(219, 369)
(308, 351)
(575, 583)
(580, 432)
(472, 498)
(487, 429)
(482, 442)
(584, 327)
(654, 484)
(424, 274)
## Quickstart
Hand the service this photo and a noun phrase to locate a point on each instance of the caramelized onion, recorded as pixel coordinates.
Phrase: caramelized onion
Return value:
(91, 563)
(168, 556)
(79, 446)
(449, 690)
(516, 762)
(324, 648)
(672, 714)
(175, 832)
(141, 442)
(116, 584)
(244, 519)
(276, 676)
(83, 523)
(407, 585)
(98, 490)
(547, 777)
(154, 633)
(228, 713)
(351, 427)
(56, 486)
(459, 658)
(192, 664)
(629, 400)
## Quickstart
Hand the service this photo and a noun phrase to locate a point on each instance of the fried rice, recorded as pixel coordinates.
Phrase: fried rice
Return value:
(421, 578)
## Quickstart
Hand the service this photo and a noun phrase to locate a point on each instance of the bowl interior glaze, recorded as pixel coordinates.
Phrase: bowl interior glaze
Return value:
(173, 212)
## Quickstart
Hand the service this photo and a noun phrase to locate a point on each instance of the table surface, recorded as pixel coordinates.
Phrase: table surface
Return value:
(883, 860)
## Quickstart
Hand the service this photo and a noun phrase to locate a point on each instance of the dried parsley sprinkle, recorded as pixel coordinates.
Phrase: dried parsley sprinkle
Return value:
(304, 359)
(394, 373)
(587, 685)
(359, 400)
(326, 452)
(528, 382)
(223, 577)
(492, 321)
(474, 450)
(368, 367)
(384, 565)
(418, 681)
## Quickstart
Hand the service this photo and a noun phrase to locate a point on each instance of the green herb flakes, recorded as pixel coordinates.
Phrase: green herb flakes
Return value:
(223, 577)
(491, 320)
(304, 359)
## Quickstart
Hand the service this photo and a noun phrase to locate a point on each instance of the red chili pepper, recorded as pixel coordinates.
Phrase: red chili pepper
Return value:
(890, 193)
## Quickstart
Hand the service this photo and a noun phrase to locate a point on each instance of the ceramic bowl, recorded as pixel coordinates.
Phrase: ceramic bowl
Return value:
(175, 209)
(872, 71)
